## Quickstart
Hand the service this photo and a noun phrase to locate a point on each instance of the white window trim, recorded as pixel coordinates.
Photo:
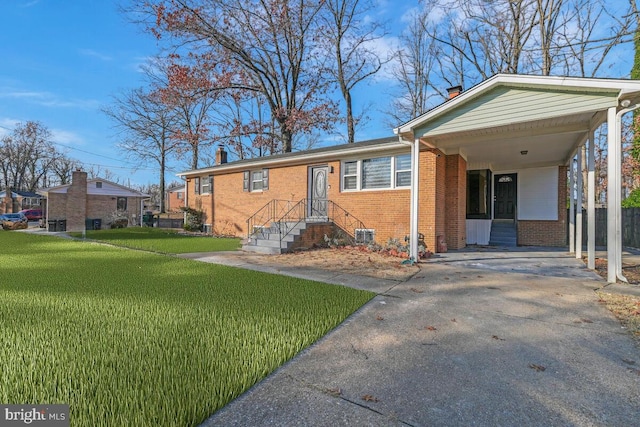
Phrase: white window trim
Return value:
(253, 181)
(359, 174)
(208, 187)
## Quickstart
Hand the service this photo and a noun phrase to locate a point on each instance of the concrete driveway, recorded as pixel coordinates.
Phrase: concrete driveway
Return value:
(510, 338)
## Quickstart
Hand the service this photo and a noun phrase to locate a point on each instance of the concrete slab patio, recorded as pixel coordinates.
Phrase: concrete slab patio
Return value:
(476, 338)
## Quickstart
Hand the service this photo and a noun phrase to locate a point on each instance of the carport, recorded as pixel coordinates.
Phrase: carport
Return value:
(522, 125)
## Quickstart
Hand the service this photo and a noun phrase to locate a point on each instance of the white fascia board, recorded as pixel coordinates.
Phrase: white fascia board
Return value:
(623, 87)
(265, 162)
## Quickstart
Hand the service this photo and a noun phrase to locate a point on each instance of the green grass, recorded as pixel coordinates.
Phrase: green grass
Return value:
(134, 338)
(163, 241)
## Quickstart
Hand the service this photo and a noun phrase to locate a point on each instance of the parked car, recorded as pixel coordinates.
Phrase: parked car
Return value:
(14, 221)
(32, 214)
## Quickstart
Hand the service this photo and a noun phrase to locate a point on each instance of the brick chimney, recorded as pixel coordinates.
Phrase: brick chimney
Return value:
(454, 91)
(76, 211)
(221, 155)
(8, 201)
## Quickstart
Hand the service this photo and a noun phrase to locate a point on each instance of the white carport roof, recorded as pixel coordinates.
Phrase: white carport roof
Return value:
(516, 121)
(493, 122)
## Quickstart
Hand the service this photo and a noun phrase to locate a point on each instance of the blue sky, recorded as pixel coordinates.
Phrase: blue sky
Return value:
(62, 60)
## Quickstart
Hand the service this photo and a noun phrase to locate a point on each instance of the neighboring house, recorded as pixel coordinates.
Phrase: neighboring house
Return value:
(16, 201)
(494, 156)
(84, 201)
(175, 199)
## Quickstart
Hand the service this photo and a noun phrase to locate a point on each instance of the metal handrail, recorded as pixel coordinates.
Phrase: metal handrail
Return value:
(339, 216)
(266, 215)
(286, 216)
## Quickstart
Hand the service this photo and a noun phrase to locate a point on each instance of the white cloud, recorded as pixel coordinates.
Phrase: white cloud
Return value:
(95, 54)
(30, 3)
(7, 125)
(66, 137)
(385, 48)
(48, 99)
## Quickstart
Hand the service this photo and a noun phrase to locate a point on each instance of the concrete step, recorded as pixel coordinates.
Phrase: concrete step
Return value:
(262, 249)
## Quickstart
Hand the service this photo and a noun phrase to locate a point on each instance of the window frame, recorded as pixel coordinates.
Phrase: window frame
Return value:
(250, 179)
(364, 233)
(487, 174)
(118, 203)
(206, 185)
(393, 173)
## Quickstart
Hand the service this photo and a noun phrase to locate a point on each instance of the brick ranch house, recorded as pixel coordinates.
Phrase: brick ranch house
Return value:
(495, 155)
(86, 200)
(15, 201)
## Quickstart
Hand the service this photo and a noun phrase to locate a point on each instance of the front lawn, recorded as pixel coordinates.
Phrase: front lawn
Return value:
(132, 338)
(163, 241)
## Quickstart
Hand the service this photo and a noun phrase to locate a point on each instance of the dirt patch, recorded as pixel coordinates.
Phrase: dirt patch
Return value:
(629, 270)
(625, 307)
(345, 260)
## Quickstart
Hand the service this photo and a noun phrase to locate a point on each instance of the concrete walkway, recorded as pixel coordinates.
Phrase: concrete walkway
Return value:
(511, 338)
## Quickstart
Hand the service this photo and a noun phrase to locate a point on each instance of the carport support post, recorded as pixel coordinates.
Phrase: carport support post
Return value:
(413, 227)
(572, 210)
(591, 204)
(579, 206)
(613, 170)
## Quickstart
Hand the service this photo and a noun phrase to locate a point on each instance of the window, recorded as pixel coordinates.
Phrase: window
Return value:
(207, 185)
(98, 184)
(255, 180)
(478, 194)
(377, 173)
(365, 236)
(196, 185)
(122, 204)
(179, 195)
(350, 175)
(403, 170)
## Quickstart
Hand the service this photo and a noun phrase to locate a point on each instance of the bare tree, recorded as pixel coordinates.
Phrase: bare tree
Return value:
(351, 39)
(270, 42)
(26, 156)
(62, 170)
(414, 70)
(145, 125)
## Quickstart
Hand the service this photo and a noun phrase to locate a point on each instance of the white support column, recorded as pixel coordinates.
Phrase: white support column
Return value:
(415, 186)
(612, 189)
(579, 205)
(572, 216)
(591, 203)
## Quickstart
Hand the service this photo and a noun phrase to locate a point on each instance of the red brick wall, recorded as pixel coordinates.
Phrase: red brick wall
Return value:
(455, 201)
(428, 198)
(76, 206)
(173, 203)
(386, 211)
(548, 233)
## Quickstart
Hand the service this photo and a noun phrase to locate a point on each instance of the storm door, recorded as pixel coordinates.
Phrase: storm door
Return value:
(318, 191)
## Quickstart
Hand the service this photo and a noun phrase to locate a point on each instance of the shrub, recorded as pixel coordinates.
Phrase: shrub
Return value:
(194, 219)
(633, 201)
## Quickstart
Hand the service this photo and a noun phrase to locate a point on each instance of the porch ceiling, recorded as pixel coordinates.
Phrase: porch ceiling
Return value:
(546, 142)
